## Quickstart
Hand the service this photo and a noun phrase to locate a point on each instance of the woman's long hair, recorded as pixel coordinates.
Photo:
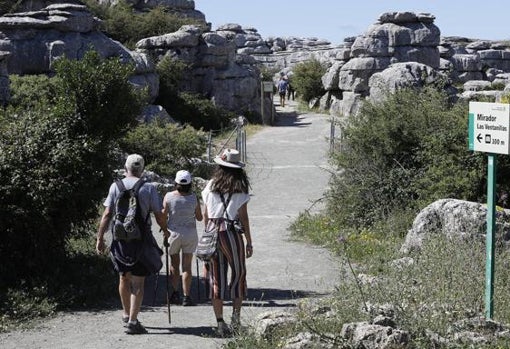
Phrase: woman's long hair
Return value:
(230, 180)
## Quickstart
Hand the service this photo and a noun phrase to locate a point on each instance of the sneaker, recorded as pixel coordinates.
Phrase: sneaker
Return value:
(175, 298)
(135, 328)
(125, 320)
(222, 330)
(187, 301)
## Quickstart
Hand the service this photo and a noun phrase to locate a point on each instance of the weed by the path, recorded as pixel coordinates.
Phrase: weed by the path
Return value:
(428, 292)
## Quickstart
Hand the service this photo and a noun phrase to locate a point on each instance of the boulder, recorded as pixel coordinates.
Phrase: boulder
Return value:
(477, 85)
(401, 75)
(372, 336)
(186, 36)
(454, 219)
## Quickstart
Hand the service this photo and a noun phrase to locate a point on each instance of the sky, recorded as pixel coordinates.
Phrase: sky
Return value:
(335, 20)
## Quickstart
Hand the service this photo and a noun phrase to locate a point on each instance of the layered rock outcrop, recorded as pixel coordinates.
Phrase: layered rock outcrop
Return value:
(217, 71)
(400, 49)
(396, 38)
(35, 39)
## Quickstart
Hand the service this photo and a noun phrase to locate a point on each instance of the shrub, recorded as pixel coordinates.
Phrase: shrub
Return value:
(307, 79)
(442, 284)
(71, 286)
(497, 86)
(166, 148)
(186, 107)
(171, 76)
(121, 22)
(32, 91)
(404, 153)
(56, 164)
(9, 6)
(268, 73)
(198, 111)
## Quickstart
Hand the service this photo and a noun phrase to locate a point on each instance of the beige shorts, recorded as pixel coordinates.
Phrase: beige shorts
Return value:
(185, 242)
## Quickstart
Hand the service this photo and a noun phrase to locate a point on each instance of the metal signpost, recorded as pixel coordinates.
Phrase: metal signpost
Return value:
(489, 125)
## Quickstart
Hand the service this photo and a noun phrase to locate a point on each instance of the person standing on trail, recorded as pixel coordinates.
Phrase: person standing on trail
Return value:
(182, 208)
(290, 91)
(131, 277)
(226, 197)
(282, 86)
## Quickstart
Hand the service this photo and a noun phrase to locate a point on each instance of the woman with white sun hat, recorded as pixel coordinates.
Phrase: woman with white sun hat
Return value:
(225, 197)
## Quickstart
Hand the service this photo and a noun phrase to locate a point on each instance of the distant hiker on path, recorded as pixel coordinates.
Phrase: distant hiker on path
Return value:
(131, 276)
(290, 91)
(226, 197)
(182, 208)
(282, 89)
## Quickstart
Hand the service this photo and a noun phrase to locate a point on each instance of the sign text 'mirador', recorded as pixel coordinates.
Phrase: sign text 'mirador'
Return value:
(482, 117)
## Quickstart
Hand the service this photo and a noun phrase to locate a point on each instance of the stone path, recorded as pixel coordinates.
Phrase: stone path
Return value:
(286, 166)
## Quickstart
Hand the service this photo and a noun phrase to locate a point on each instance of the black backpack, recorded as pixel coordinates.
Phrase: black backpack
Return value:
(128, 222)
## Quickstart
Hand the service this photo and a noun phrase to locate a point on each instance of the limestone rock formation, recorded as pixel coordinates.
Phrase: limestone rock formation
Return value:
(399, 49)
(396, 38)
(52, 29)
(217, 70)
(35, 39)
(455, 219)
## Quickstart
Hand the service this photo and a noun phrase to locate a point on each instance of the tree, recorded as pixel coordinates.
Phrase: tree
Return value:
(307, 79)
(57, 162)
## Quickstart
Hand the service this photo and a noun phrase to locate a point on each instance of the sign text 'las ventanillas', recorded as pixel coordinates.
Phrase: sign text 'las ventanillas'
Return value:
(489, 127)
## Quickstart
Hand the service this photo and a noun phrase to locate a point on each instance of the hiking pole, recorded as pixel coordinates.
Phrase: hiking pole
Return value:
(198, 281)
(166, 244)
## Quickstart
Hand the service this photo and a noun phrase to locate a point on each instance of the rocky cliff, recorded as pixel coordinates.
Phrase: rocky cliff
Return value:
(399, 49)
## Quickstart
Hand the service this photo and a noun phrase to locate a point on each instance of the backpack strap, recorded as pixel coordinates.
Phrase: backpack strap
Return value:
(138, 184)
(120, 185)
(225, 204)
(136, 189)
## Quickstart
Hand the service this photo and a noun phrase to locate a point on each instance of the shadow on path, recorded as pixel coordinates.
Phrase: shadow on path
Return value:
(200, 331)
(264, 297)
(288, 118)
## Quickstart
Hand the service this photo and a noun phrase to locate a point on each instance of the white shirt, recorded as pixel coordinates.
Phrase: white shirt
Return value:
(215, 207)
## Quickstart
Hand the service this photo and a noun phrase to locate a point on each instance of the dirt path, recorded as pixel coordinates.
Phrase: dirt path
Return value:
(286, 167)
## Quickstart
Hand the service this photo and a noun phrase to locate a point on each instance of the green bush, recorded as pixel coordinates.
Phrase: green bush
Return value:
(32, 92)
(56, 164)
(268, 73)
(123, 23)
(9, 6)
(307, 79)
(166, 148)
(186, 107)
(405, 153)
(79, 280)
(497, 86)
(198, 111)
(171, 76)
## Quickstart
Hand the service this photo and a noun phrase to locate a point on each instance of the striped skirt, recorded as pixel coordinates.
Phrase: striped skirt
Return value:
(231, 254)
